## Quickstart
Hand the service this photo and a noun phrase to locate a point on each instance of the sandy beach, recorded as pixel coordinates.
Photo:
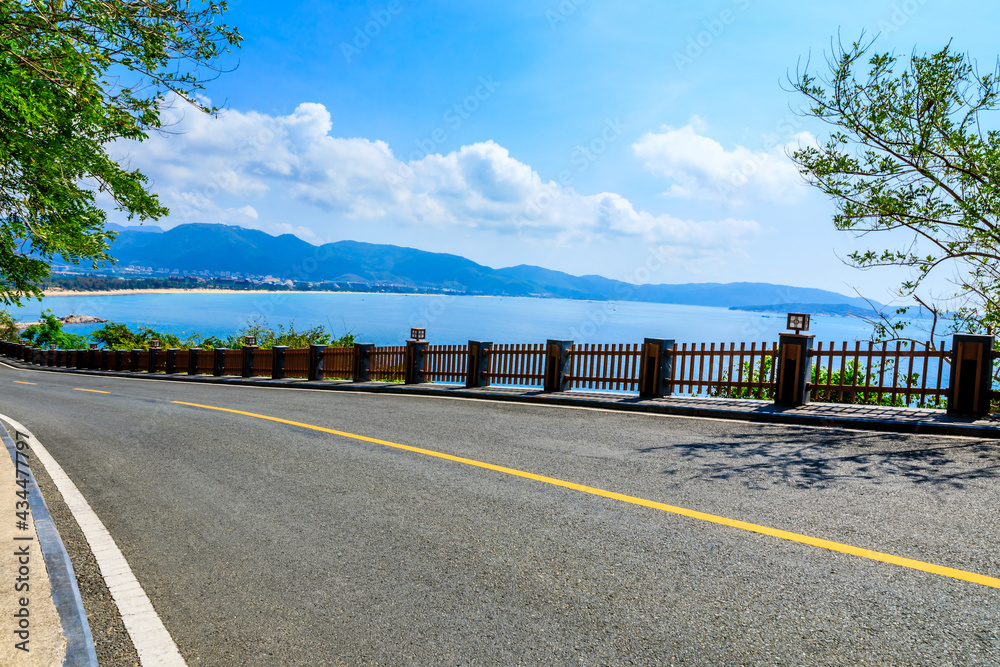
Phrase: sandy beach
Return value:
(121, 292)
(118, 292)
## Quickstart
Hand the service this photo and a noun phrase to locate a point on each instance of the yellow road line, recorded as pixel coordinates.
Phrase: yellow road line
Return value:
(693, 514)
(20, 382)
(96, 391)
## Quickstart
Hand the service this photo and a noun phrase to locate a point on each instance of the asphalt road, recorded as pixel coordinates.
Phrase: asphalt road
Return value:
(262, 542)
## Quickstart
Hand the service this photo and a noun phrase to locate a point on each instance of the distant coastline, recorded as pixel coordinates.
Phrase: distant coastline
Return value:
(126, 292)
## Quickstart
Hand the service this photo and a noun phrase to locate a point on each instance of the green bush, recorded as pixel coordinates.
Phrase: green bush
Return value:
(50, 332)
(8, 327)
(119, 336)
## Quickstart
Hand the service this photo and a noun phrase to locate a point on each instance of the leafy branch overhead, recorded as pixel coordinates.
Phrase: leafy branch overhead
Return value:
(912, 154)
(74, 77)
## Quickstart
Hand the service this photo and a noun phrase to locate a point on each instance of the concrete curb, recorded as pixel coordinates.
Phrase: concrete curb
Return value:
(762, 412)
(62, 579)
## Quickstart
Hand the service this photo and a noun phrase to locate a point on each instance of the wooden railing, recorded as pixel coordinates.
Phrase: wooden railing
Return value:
(730, 373)
(387, 364)
(897, 374)
(262, 363)
(607, 367)
(446, 363)
(518, 365)
(338, 363)
(904, 374)
(297, 363)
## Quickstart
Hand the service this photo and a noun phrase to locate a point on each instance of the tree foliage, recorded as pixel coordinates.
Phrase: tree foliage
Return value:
(116, 336)
(913, 154)
(49, 331)
(75, 76)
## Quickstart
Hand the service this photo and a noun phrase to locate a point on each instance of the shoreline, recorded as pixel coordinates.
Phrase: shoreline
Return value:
(126, 292)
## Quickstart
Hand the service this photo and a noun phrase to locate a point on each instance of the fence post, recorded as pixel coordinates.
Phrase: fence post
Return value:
(119, 360)
(477, 368)
(362, 362)
(105, 360)
(793, 369)
(656, 368)
(557, 364)
(970, 383)
(171, 366)
(316, 362)
(193, 353)
(36, 356)
(220, 361)
(248, 351)
(278, 362)
(414, 362)
(153, 354)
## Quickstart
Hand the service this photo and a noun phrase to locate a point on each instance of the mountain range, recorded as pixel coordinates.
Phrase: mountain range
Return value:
(218, 249)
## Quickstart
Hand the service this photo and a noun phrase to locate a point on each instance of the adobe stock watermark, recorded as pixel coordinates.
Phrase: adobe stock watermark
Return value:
(714, 28)
(582, 157)
(452, 119)
(899, 16)
(784, 130)
(562, 12)
(597, 317)
(364, 34)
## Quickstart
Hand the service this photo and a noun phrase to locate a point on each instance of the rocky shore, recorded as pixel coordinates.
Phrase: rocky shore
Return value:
(67, 319)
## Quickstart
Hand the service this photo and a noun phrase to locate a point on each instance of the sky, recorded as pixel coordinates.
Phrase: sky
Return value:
(643, 141)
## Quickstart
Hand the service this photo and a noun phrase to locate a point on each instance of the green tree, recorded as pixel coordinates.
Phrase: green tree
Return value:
(73, 77)
(49, 331)
(8, 327)
(912, 155)
(116, 336)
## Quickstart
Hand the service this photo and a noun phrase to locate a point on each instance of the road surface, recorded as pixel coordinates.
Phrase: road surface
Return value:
(416, 530)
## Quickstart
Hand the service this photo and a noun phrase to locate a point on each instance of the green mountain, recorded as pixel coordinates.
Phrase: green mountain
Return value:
(222, 248)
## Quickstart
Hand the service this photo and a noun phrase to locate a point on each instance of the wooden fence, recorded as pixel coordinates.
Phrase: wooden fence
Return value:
(900, 373)
(605, 367)
(903, 374)
(730, 373)
(387, 364)
(338, 363)
(517, 365)
(446, 363)
(263, 363)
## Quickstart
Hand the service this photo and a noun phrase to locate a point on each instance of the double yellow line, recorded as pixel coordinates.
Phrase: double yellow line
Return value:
(633, 500)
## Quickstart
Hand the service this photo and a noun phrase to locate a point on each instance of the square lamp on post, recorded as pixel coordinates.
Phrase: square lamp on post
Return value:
(155, 344)
(93, 346)
(249, 341)
(418, 334)
(798, 322)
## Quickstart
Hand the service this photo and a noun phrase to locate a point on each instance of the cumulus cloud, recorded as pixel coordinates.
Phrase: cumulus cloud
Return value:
(699, 167)
(254, 157)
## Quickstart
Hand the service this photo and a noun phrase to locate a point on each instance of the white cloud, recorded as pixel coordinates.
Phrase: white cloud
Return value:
(699, 167)
(205, 165)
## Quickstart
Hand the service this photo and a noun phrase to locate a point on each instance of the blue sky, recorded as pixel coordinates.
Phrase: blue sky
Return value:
(642, 141)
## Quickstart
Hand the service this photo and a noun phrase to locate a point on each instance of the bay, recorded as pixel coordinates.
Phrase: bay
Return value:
(386, 319)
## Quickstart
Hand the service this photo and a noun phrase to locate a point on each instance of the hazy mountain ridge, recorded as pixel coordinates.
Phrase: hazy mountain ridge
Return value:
(223, 248)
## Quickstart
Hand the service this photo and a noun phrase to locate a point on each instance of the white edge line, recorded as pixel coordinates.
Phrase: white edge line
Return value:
(151, 639)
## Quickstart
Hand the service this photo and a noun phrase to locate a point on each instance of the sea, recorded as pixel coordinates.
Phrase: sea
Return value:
(386, 319)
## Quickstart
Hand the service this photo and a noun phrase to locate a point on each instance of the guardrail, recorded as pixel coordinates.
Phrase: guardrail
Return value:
(789, 371)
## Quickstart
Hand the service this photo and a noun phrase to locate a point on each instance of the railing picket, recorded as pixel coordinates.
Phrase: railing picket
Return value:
(895, 374)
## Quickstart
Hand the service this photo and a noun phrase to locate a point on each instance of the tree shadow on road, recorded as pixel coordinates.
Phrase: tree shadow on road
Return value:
(813, 459)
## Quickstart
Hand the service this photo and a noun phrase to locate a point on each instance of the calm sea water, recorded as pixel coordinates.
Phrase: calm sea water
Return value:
(385, 319)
